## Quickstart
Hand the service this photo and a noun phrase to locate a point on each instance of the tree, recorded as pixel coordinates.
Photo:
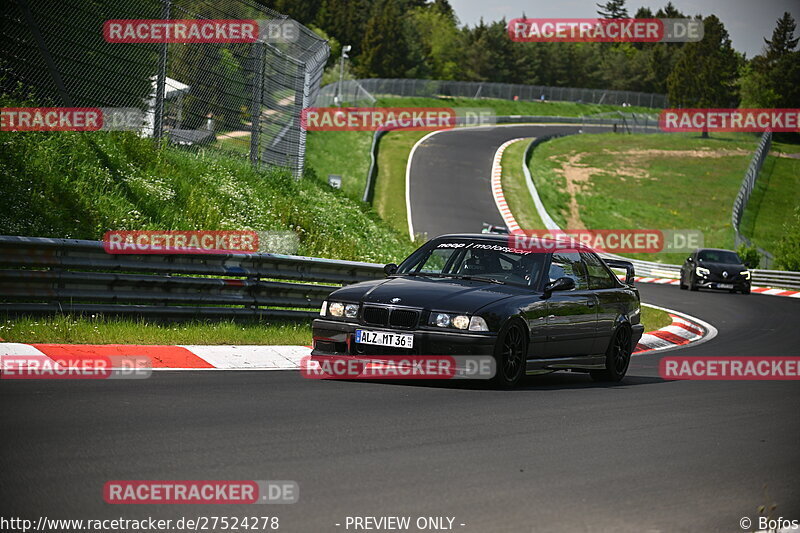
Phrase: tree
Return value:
(435, 43)
(772, 79)
(705, 73)
(384, 47)
(783, 41)
(613, 9)
(669, 12)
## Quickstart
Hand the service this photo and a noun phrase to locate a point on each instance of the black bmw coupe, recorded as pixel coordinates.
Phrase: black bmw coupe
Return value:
(532, 311)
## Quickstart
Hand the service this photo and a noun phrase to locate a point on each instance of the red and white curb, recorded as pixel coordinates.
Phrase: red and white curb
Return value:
(758, 290)
(497, 187)
(169, 357)
(683, 330)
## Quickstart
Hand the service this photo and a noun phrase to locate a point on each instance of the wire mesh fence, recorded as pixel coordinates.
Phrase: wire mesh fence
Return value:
(355, 92)
(743, 197)
(244, 97)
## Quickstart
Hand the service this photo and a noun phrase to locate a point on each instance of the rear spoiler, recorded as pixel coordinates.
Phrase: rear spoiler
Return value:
(625, 265)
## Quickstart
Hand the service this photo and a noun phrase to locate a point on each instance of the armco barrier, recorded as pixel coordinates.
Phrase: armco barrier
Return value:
(40, 275)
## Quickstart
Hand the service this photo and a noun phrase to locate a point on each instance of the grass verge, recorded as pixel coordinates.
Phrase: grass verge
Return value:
(345, 153)
(774, 197)
(654, 319)
(665, 181)
(106, 330)
(390, 184)
(515, 188)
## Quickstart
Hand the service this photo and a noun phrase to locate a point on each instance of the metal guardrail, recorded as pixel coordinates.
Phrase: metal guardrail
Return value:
(372, 173)
(40, 275)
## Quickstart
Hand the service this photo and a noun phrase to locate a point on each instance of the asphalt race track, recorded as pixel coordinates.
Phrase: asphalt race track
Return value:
(449, 185)
(559, 454)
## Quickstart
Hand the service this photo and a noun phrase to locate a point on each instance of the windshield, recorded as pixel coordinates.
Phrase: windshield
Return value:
(484, 261)
(719, 256)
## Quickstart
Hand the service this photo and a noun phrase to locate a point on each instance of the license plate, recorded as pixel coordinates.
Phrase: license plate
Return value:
(725, 285)
(382, 338)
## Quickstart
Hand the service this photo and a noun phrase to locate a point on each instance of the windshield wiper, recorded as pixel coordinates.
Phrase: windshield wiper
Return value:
(474, 278)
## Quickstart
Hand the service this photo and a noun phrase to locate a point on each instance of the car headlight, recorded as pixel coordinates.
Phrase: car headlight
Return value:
(477, 323)
(461, 322)
(446, 320)
(339, 309)
(700, 271)
(745, 273)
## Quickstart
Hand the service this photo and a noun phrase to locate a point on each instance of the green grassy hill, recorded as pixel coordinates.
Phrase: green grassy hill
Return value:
(80, 185)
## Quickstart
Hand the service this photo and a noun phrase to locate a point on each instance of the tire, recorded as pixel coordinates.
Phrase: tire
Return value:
(618, 357)
(692, 286)
(746, 290)
(510, 355)
(682, 285)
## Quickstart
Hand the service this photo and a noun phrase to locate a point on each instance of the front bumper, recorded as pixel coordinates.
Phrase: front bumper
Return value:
(332, 337)
(714, 282)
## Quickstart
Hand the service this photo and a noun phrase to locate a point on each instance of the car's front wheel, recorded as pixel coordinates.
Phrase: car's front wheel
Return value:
(510, 354)
(618, 357)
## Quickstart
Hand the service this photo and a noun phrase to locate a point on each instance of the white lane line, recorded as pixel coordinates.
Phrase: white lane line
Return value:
(408, 179)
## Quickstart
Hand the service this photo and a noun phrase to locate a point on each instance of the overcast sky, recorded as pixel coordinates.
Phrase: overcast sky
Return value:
(747, 21)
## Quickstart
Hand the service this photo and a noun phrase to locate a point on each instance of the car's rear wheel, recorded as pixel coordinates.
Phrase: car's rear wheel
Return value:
(510, 354)
(618, 357)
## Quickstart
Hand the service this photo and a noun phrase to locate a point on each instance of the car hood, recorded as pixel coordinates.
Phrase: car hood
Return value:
(719, 268)
(440, 294)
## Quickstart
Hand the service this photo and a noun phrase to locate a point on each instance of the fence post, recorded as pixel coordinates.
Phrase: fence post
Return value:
(158, 119)
(255, 106)
(66, 99)
(301, 146)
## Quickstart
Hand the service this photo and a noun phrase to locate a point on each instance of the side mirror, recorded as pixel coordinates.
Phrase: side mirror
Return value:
(561, 284)
(689, 259)
(390, 269)
(748, 264)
